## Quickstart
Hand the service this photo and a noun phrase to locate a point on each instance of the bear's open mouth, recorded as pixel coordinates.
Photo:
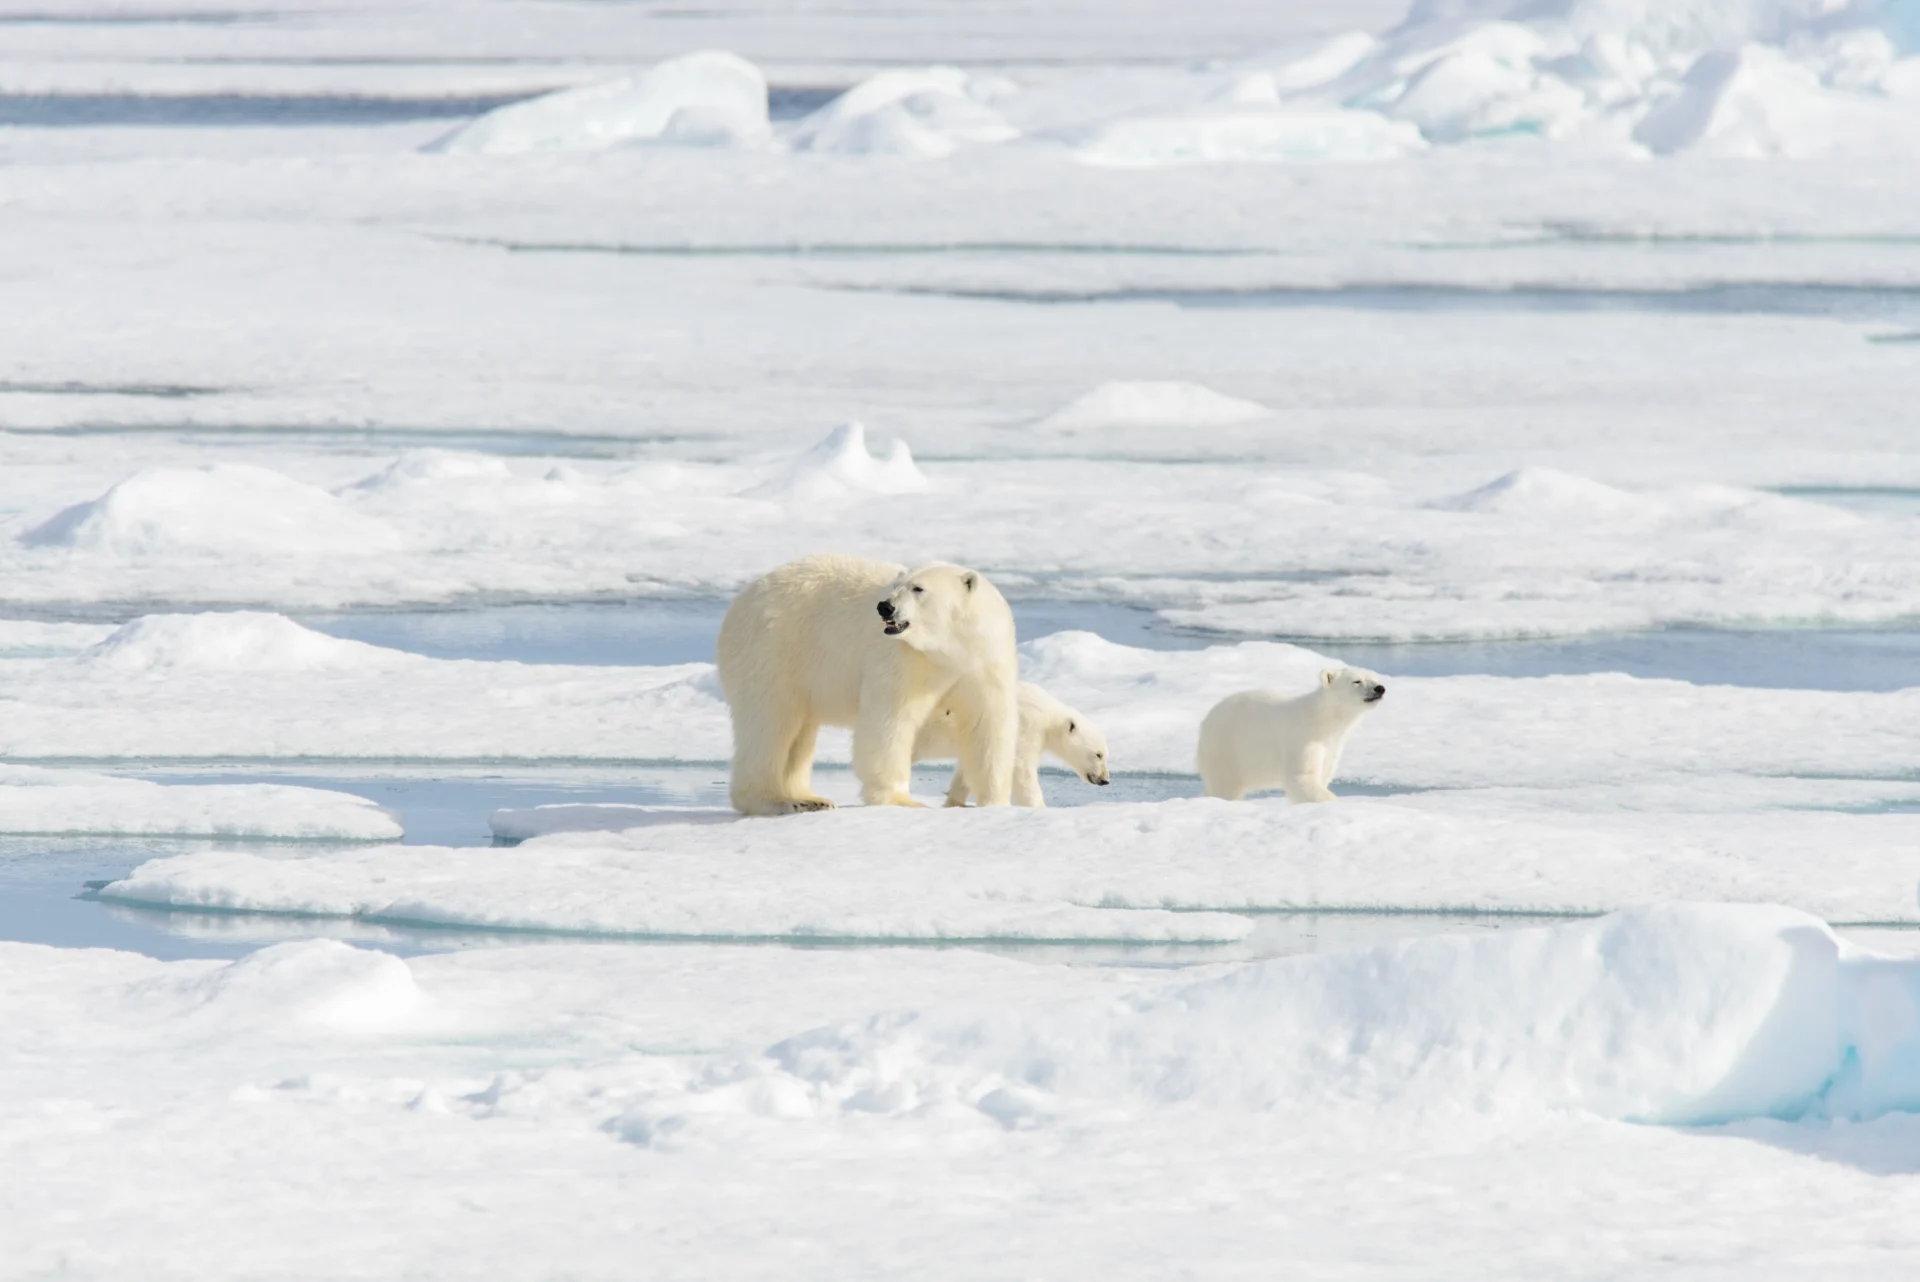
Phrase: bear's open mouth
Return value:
(895, 627)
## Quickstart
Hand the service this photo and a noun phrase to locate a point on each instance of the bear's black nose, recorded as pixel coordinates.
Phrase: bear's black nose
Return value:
(886, 610)
(1379, 689)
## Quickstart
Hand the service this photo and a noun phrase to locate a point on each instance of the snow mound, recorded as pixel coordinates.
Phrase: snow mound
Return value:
(542, 821)
(840, 466)
(69, 801)
(1544, 494)
(1677, 1014)
(237, 641)
(711, 99)
(929, 113)
(1169, 404)
(224, 507)
(1757, 102)
(313, 984)
(1248, 131)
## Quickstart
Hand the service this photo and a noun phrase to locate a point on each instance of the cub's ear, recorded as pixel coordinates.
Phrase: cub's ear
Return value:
(970, 578)
(1328, 676)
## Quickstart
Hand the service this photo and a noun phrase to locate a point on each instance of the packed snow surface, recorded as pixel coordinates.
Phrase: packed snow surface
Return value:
(77, 802)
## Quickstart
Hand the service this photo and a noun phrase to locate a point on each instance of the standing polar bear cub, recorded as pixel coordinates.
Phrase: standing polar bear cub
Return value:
(1262, 738)
(1046, 725)
(841, 641)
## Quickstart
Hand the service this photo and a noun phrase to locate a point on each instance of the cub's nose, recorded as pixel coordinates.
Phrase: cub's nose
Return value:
(1379, 690)
(886, 610)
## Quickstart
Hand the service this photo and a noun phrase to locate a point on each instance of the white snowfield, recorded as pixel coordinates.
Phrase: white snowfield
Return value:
(704, 1109)
(74, 802)
(1335, 554)
(185, 686)
(1102, 872)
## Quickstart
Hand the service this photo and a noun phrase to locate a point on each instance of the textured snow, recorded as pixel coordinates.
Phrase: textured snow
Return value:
(40, 801)
(747, 1097)
(1152, 405)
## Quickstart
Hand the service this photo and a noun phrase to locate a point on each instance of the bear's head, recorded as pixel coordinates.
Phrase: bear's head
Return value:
(946, 611)
(1084, 748)
(1355, 684)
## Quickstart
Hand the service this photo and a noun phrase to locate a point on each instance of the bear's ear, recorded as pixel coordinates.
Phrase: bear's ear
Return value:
(1328, 676)
(969, 578)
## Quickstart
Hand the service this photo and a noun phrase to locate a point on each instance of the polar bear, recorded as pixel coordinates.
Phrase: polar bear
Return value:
(842, 641)
(1260, 738)
(1046, 725)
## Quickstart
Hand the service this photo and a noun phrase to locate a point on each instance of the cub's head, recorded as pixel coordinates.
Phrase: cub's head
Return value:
(937, 607)
(1355, 684)
(1084, 748)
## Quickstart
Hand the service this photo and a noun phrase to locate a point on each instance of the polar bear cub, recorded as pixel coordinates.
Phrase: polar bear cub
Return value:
(1262, 738)
(842, 641)
(1046, 725)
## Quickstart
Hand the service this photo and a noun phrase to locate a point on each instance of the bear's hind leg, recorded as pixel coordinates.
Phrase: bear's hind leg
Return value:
(957, 790)
(763, 744)
(798, 777)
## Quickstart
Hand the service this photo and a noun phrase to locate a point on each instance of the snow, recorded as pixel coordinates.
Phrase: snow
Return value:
(700, 99)
(40, 801)
(1098, 872)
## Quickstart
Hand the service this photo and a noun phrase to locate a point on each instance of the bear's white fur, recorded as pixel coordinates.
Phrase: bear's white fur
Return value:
(841, 641)
(1262, 738)
(1046, 725)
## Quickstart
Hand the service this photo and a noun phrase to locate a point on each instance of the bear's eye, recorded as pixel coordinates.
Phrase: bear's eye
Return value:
(917, 589)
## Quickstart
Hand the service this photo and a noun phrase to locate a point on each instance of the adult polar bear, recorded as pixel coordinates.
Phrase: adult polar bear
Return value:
(842, 641)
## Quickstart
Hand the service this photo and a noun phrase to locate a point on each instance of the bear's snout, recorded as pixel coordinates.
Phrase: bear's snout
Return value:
(886, 610)
(1376, 694)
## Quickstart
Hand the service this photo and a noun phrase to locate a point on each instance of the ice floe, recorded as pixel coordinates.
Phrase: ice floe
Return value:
(41, 801)
(1091, 872)
(1134, 404)
(925, 113)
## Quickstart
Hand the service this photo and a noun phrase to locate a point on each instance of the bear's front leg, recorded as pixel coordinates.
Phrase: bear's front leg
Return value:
(957, 790)
(990, 740)
(889, 721)
(1303, 783)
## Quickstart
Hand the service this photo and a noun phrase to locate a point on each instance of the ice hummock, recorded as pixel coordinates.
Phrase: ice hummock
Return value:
(701, 99)
(839, 466)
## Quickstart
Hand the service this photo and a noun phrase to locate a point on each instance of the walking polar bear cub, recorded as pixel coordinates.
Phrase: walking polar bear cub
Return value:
(1046, 725)
(1262, 738)
(842, 641)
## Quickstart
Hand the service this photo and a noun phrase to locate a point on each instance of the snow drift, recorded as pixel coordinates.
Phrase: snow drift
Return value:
(1679, 1014)
(840, 466)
